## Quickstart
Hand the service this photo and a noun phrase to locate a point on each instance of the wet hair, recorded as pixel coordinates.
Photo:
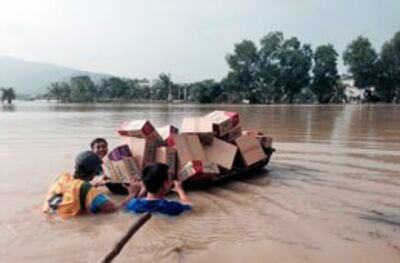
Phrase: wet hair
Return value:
(87, 164)
(154, 176)
(98, 140)
(82, 172)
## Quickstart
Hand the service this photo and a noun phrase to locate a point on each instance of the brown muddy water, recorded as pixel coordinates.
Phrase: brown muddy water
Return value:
(331, 193)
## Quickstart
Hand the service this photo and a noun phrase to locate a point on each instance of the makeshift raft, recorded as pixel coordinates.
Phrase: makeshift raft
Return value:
(205, 150)
(235, 173)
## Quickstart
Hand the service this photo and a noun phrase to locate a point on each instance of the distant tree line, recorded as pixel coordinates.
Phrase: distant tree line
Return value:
(278, 70)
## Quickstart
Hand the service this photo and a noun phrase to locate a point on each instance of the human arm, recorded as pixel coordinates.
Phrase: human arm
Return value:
(134, 189)
(109, 206)
(178, 188)
(100, 180)
(97, 202)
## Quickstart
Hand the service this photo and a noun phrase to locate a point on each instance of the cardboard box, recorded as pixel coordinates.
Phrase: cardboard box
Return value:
(197, 169)
(221, 153)
(252, 133)
(199, 126)
(250, 150)
(166, 133)
(139, 129)
(167, 155)
(120, 165)
(192, 160)
(232, 134)
(223, 121)
(189, 148)
(143, 150)
(265, 141)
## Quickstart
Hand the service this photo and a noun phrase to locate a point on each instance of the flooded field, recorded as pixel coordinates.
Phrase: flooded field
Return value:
(331, 192)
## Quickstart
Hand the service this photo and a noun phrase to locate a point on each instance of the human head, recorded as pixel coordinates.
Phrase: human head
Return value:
(155, 178)
(100, 147)
(87, 165)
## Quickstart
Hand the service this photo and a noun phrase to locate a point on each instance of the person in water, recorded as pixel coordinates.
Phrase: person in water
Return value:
(100, 147)
(156, 181)
(70, 195)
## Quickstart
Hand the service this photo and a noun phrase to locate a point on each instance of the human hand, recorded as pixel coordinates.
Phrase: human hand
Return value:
(106, 178)
(97, 182)
(177, 186)
(133, 188)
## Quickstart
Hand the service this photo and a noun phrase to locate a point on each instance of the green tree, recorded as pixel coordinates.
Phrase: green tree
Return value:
(338, 93)
(275, 73)
(8, 94)
(295, 65)
(113, 88)
(145, 92)
(135, 89)
(243, 65)
(83, 89)
(162, 88)
(53, 91)
(325, 75)
(227, 94)
(306, 95)
(61, 91)
(361, 59)
(269, 67)
(206, 91)
(388, 68)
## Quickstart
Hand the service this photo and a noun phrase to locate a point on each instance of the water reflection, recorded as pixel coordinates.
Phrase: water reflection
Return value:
(8, 107)
(333, 124)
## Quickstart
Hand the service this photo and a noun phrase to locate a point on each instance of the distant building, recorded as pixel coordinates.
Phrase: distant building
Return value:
(354, 94)
(184, 91)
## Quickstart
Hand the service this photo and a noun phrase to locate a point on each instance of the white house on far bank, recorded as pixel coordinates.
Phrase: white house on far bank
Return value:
(354, 94)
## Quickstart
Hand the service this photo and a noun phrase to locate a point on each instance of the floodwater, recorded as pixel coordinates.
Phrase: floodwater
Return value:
(331, 192)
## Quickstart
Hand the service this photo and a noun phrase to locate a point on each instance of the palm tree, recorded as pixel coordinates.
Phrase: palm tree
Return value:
(8, 95)
(166, 83)
(339, 93)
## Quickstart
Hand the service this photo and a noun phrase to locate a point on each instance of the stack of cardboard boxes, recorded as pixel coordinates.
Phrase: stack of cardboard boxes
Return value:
(205, 147)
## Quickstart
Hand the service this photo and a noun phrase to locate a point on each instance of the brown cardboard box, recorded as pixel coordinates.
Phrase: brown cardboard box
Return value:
(252, 133)
(265, 141)
(221, 153)
(189, 148)
(250, 150)
(232, 134)
(192, 162)
(167, 155)
(120, 165)
(139, 129)
(166, 134)
(223, 121)
(200, 126)
(198, 169)
(143, 150)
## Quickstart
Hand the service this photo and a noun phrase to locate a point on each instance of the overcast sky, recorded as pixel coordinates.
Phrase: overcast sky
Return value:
(187, 38)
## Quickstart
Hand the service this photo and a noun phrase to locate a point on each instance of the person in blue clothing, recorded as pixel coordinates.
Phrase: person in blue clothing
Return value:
(155, 179)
